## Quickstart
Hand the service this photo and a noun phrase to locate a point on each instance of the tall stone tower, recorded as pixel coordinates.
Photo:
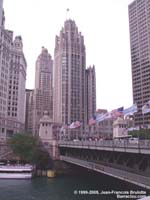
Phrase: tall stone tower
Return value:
(69, 75)
(17, 80)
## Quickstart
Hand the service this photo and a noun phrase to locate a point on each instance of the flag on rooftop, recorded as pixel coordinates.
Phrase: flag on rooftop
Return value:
(146, 107)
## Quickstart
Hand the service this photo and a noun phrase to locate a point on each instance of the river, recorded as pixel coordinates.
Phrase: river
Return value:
(66, 187)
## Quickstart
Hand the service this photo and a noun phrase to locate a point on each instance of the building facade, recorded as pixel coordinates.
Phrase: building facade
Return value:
(48, 134)
(139, 24)
(69, 75)
(12, 81)
(90, 78)
(29, 110)
(1, 11)
(5, 45)
(43, 92)
(17, 80)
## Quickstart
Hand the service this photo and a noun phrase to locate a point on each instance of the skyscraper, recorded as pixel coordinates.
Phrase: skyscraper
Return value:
(17, 80)
(29, 110)
(1, 11)
(69, 75)
(5, 45)
(16, 86)
(139, 23)
(90, 91)
(12, 81)
(43, 92)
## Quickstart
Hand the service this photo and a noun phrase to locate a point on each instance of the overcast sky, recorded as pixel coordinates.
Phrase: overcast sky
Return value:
(104, 24)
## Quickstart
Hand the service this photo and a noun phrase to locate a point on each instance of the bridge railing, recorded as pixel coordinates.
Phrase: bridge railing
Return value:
(142, 144)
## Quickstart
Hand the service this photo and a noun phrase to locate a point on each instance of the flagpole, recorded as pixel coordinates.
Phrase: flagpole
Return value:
(67, 13)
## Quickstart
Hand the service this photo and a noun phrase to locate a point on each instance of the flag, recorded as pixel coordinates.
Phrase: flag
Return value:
(77, 124)
(72, 125)
(136, 128)
(92, 121)
(117, 112)
(131, 110)
(108, 115)
(62, 129)
(146, 108)
(65, 126)
(120, 109)
(144, 126)
(100, 117)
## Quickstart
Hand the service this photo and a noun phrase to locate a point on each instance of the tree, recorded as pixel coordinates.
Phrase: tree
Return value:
(24, 146)
(43, 160)
(141, 134)
(30, 150)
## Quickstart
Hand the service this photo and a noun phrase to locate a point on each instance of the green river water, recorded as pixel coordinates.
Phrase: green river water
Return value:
(66, 187)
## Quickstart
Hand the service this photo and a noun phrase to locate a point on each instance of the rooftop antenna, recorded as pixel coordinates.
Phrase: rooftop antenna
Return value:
(67, 13)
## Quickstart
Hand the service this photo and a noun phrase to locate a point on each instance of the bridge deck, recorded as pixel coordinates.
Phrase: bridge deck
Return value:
(142, 146)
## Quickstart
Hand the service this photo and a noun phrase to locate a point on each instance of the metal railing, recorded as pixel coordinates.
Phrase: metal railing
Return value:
(112, 144)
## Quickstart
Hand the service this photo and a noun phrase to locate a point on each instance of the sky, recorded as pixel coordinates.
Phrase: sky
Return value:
(105, 27)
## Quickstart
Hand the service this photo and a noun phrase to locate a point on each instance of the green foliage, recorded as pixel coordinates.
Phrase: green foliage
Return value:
(42, 159)
(141, 134)
(30, 150)
(24, 146)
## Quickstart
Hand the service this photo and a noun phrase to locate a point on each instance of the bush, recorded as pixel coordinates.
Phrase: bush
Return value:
(141, 134)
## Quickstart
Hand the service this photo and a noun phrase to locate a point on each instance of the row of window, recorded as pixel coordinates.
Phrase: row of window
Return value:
(12, 114)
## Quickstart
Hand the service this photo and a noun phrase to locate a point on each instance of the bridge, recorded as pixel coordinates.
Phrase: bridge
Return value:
(123, 159)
